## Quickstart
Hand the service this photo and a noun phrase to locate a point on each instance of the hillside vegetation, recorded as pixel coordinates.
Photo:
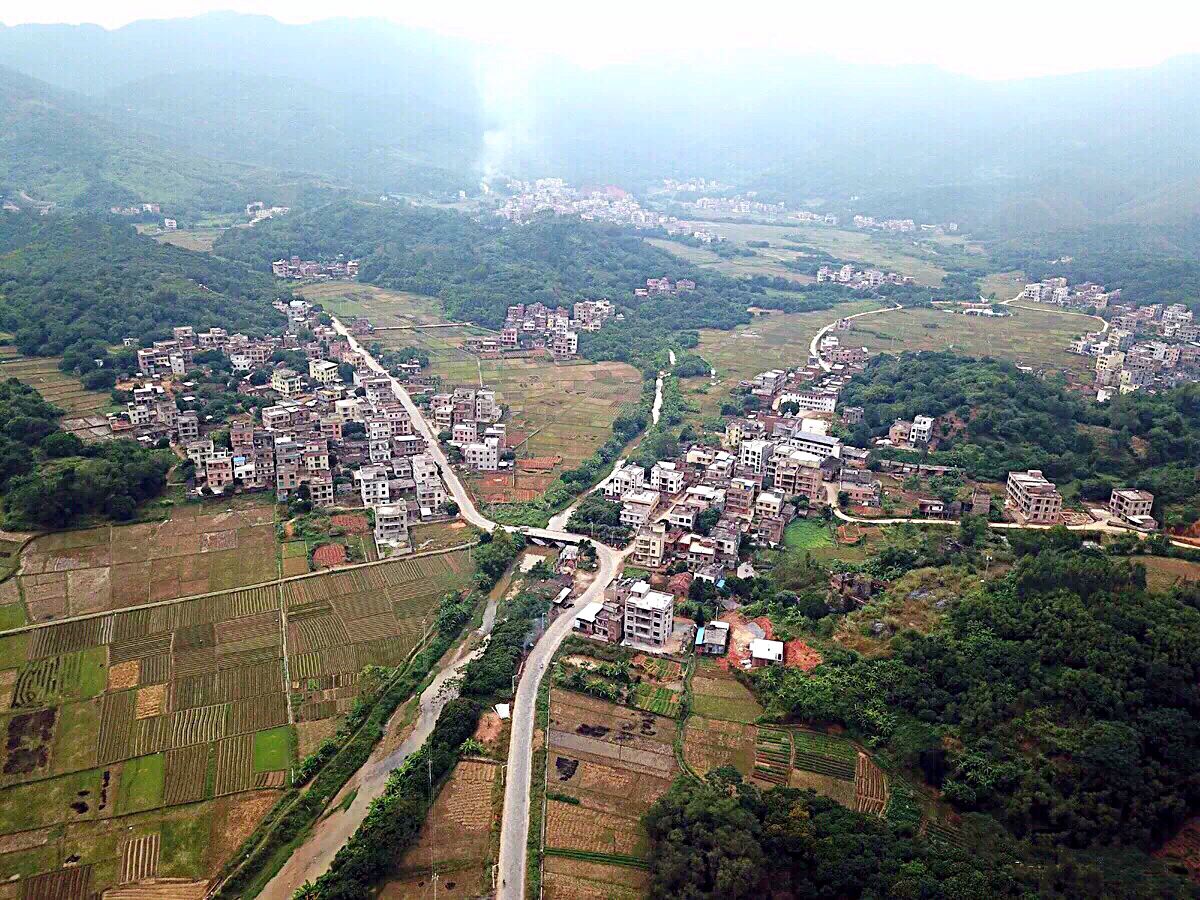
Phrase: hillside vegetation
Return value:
(70, 282)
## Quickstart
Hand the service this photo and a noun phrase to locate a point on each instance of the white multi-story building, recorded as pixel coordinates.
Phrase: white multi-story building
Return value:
(666, 477)
(637, 507)
(921, 431)
(391, 525)
(753, 454)
(649, 616)
(482, 457)
(373, 485)
(623, 480)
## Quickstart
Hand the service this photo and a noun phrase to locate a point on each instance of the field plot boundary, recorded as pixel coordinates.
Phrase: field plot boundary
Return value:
(158, 604)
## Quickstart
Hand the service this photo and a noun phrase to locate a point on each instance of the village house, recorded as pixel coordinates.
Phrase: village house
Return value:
(637, 507)
(1033, 498)
(1133, 506)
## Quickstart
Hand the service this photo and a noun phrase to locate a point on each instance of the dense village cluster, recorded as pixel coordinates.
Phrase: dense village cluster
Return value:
(690, 516)
(304, 269)
(333, 434)
(860, 279)
(536, 327)
(903, 226)
(1152, 348)
(553, 195)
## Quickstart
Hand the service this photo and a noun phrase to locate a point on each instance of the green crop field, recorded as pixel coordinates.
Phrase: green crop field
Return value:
(141, 784)
(272, 749)
(382, 307)
(922, 256)
(806, 534)
(1030, 337)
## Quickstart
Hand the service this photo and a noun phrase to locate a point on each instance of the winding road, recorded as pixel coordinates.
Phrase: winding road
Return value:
(515, 826)
(814, 345)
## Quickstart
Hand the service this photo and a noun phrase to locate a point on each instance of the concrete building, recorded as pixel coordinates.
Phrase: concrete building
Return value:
(373, 485)
(482, 457)
(765, 653)
(1133, 506)
(1033, 498)
(649, 545)
(637, 507)
(753, 454)
(649, 616)
(623, 480)
(666, 477)
(391, 525)
(287, 382)
(921, 431)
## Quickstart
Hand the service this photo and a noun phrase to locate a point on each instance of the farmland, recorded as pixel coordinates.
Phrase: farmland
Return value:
(771, 340)
(606, 765)
(557, 413)
(340, 622)
(382, 307)
(83, 409)
(923, 257)
(194, 551)
(456, 838)
(148, 742)
(717, 694)
(1030, 337)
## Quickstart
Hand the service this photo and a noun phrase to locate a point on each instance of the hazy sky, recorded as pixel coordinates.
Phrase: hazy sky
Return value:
(989, 40)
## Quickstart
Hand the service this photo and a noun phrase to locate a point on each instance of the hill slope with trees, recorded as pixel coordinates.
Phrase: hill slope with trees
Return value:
(77, 282)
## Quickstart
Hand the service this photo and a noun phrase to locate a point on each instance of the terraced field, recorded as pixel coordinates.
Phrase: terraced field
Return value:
(606, 765)
(342, 621)
(84, 409)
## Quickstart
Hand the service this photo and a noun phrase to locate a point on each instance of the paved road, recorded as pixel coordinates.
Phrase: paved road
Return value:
(466, 506)
(813, 346)
(313, 858)
(514, 832)
(1108, 526)
(515, 826)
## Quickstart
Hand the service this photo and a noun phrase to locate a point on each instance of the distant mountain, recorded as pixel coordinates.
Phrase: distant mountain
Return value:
(381, 107)
(56, 146)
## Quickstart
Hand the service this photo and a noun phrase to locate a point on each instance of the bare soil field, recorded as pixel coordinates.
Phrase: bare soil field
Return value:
(710, 743)
(606, 765)
(576, 879)
(194, 551)
(456, 840)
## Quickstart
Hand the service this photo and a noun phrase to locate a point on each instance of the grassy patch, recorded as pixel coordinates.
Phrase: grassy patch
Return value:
(49, 802)
(273, 749)
(12, 615)
(184, 843)
(142, 783)
(13, 648)
(1032, 337)
(806, 534)
(93, 672)
(75, 738)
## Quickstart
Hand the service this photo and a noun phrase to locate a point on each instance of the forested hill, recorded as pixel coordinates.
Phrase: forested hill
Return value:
(995, 418)
(1061, 698)
(478, 269)
(67, 282)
